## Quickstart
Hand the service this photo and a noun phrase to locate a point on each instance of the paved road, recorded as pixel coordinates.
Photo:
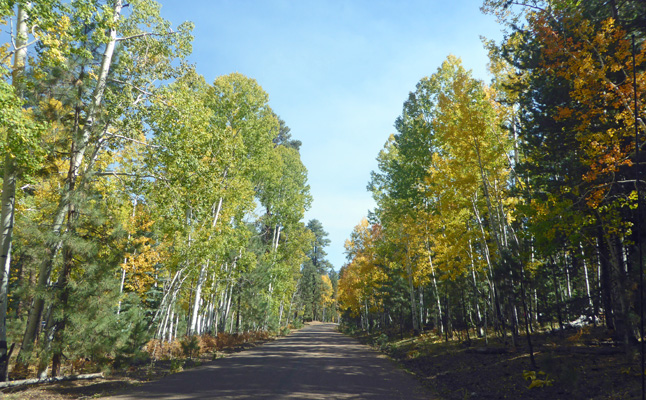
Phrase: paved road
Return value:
(314, 363)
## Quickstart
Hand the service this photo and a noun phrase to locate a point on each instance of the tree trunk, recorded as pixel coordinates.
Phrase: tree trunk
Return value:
(605, 281)
(79, 146)
(198, 298)
(439, 319)
(476, 293)
(411, 291)
(9, 196)
(238, 315)
(465, 316)
(421, 310)
(557, 296)
(125, 260)
(587, 283)
(527, 318)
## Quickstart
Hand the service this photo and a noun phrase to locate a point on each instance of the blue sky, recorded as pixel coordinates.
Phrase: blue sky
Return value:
(338, 73)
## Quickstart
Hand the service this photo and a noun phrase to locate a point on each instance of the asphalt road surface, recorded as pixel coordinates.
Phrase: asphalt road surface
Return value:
(316, 362)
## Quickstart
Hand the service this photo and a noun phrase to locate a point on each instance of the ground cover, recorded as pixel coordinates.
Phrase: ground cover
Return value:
(156, 360)
(572, 364)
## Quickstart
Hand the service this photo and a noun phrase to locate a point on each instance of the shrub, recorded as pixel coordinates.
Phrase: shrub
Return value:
(176, 365)
(190, 346)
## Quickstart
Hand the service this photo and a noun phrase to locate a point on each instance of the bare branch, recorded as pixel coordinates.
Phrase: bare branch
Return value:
(154, 146)
(15, 50)
(140, 90)
(137, 88)
(530, 6)
(145, 34)
(118, 174)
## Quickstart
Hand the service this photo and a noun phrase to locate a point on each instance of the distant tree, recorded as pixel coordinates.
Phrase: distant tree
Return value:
(317, 254)
(284, 137)
(312, 287)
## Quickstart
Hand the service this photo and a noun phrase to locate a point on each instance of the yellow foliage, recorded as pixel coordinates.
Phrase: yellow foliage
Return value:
(539, 383)
(361, 279)
(538, 379)
(327, 296)
(139, 262)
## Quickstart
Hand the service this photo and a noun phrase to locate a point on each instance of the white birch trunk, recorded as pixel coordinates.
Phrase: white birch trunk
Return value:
(125, 261)
(169, 337)
(411, 289)
(228, 307)
(280, 313)
(79, 146)
(437, 293)
(421, 310)
(9, 196)
(176, 325)
(476, 292)
(123, 280)
(198, 299)
(587, 282)
(275, 247)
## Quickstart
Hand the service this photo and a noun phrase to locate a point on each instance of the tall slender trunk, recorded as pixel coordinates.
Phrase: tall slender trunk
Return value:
(495, 225)
(437, 294)
(557, 296)
(79, 146)
(495, 301)
(121, 284)
(623, 325)
(476, 292)
(238, 315)
(527, 317)
(421, 310)
(605, 281)
(567, 277)
(587, 288)
(63, 298)
(169, 337)
(277, 236)
(9, 196)
(194, 326)
(411, 291)
(170, 292)
(125, 260)
(465, 316)
(198, 298)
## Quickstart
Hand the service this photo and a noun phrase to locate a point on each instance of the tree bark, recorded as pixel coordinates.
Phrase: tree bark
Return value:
(411, 291)
(9, 196)
(79, 146)
(198, 298)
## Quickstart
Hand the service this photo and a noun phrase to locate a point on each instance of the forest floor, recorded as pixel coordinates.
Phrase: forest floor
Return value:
(572, 364)
(130, 376)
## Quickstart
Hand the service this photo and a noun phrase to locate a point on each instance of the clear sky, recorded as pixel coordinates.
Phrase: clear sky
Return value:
(338, 73)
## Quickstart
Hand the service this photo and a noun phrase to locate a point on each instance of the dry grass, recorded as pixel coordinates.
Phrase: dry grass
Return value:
(163, 350)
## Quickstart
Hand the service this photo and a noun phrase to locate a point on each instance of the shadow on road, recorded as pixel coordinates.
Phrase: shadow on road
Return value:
(314, 363)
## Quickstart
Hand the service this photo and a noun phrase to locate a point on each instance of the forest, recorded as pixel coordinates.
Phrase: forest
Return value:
(141, 205)
(515, 206)
(146, 211)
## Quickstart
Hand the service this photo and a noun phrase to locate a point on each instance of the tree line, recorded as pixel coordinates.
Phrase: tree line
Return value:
(139, 201)
(513, 205)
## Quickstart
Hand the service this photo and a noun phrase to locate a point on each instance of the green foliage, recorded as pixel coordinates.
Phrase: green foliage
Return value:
(176, 365)
(20, 134)
(503, 207)
(284, 331)
(143, 194)
(190, 346)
